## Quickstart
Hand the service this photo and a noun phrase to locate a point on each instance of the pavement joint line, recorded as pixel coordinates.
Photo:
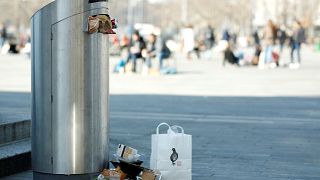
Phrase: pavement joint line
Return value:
(201, 118)
(193, 120)
(13, 121)
(208, 115)
(15, 142)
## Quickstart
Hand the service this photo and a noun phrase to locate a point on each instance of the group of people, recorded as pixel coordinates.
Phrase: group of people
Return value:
(144, 48)
(152, 49)
(294, 36)
(13, 42)
(265, 45)
(198, 43)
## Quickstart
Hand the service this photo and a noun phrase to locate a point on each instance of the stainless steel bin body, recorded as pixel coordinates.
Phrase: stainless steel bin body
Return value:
(70, 77)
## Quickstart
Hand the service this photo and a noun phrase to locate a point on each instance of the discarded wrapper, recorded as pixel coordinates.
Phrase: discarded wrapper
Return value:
(93, 24)
(108, 174)
(148, 175)
(128, 165)
(127, 153)
(101, 23)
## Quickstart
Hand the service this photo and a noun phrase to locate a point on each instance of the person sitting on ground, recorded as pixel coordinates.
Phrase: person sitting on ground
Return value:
(135, 49)
(150, 51)
(256, 56)
(230, 56)
(156, 48)
(163, 52)
(124, 47)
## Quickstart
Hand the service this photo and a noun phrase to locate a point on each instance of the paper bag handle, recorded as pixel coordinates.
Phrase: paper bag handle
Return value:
(178, 127)
(161, 125)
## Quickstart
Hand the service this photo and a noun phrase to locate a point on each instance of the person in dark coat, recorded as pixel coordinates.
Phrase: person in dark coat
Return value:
(256, 38)
(151, 50)
(226, 35)
(135, 50)
(282, 37)
(209, 38)
(230, 57)
(297, 39)
(156, 48)
(163, 52)
(256, 55)
(3, 36)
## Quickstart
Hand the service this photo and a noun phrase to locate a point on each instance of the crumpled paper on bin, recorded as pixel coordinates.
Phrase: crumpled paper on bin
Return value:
(102, 24)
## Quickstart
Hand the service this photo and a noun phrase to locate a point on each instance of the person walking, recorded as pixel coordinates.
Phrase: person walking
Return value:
(3, 35)
(282, 37)
(298, 37)
(188, 40)
(269, 38)
(256, 38)
(209, 38)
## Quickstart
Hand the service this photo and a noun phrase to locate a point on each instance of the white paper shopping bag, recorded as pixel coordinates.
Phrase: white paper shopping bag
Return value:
(171, 153)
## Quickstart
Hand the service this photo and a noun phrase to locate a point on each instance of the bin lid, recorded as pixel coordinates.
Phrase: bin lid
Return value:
(59, 10)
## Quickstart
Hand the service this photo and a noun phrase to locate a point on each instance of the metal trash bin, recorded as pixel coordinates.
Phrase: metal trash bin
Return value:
(70, 82)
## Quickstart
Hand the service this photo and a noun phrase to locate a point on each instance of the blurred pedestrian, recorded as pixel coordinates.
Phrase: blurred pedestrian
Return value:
(256, 38)
(258, 48)
(124, 45)
(226, 35)
(150, 51)
(163, 52)
(198, 47)
(188, 40)
(230, 57)
(256, 56)
(298, 37)
(3, 35)
(156, 48)
(135, 50)
(269, 39)
(282, 37)
(209, 38)
(234, 38)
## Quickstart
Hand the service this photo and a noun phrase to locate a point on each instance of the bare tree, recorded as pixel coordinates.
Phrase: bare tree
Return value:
(19, 12)
(235, 14)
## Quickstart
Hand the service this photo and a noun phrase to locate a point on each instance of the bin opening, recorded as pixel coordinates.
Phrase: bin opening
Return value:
(101, 23)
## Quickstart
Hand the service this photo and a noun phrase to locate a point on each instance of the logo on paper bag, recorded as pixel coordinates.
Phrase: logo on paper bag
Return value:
(174, 156)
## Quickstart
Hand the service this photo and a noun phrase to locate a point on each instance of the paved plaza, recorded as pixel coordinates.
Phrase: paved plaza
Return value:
(246, 123)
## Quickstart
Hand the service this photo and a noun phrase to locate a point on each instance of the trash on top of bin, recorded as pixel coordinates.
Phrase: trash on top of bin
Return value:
(101, 23)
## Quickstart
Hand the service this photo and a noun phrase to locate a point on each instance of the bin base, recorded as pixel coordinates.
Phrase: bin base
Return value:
(42, 176)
